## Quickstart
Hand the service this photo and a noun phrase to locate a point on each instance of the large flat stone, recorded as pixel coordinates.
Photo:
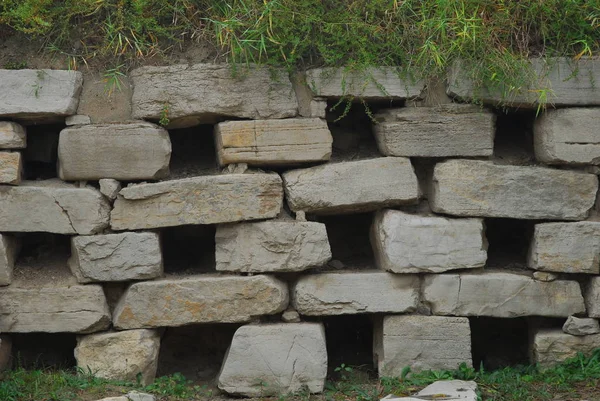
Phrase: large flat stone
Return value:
(356, 186)
(480, 188)
(12, 135)
(592, 297)
(192, 94)
(271, 246)
(408, 243)
(11, 168)
(275, 359)
(370, 84)
(39, 93)
(132, 151)
(273, 142)
(500, 294)
(53, 309)
(446, 130)
(116, 257)
(566, 247)
(9, 248)
(122, 356)
(198, 200)
(551, 346)
(421, 342)
(200, 299)
(52, 206)
(350, 293)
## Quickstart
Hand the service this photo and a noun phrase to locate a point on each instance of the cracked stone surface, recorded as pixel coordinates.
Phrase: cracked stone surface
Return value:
(12, 135)
(552, 346)
(9, 248)
(274, 359)
(578, 326)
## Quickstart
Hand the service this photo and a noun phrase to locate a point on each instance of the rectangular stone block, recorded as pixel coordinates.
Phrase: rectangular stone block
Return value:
(198, 200)
(592, 297)
(371, 84)
(551, 346)
(52, 206)
(53, 309)
(568, 136)
(271, 246)
(407, 243)
(200, 299)
(355, 186)
(39, 93)
(480, 188)
(12, 135)
(566, 247)
(189, 95)
(116, 257)
(442, 131)
(273, 142)
(421, 342)
(11, 168)
(500, 294)
(351, 293)
(131, 151)
(9, 248)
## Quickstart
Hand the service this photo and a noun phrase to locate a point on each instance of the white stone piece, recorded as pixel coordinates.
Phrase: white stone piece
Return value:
(9, 248)
(12, 135)
(11, 168)
(109, 188)
(290, 316)
(78, 119)
(450, 390)
(581, 326)
(137, 396)
(551, 346)
(544, 276)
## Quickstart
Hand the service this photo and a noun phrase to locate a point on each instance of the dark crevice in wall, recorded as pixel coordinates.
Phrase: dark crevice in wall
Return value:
(43, 258)
(41, 154)
(513, 142)
(188, 249)
(508, 242)
(43, 350)
(497, 343)
(349, 240)
(193, 152)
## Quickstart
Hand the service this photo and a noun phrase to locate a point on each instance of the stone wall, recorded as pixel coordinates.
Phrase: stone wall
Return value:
(253, 204)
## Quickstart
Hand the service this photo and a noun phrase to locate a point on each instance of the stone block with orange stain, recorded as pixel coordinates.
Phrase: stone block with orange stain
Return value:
(11, 168)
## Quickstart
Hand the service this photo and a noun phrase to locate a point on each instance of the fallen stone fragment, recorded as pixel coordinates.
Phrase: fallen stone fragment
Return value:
(552, 346)
(275, 359)
(137, 396)
(125, 356)
(12, 135)
(199, 200)
(199, 299)
(545, 276)
(11, 168)
(109, 188)
(78, 119)
(451, 390)
(9, 248)
(480, 188)
(5, 352)
(581, 326)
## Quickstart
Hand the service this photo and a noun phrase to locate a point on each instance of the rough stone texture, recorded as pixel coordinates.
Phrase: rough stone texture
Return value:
(78, 119)
(568, 136)
(116, 257)
(445, 130)
(500, 294)
(349, 293)
(592, 297)
(552, 346)
(566, 247)
(12, 135)
(137, 396)
(372, 84)
(451, 390)
(273, 142)
(407, 243)
(355, 186)
(109, 188)
(53, 309)
(39, 93)
(581, 326)
(480, 188)
(11, 168)
(544, 276)
(200, 299)
(256, 356)
(194, 94)
(133, 151)
(571, 83)
(271, 246)
(291, 316)
(198, 200)
(9, 248)
(120, 356)
(52, 206)
(5, 352)
(421, 342)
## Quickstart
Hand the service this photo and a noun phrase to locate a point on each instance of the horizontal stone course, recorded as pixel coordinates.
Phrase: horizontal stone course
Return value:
(11, 168)
(12, 135)
(552, 346)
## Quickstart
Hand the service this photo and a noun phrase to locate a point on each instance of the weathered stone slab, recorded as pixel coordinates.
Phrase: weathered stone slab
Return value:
(576, 326)
(273, 142)
(362, 185)
(9, 248)
(39, 93)
(349, 293)
(52, 206)
(132, 151)
(11, 168)
(421, 342)
(198, 200)
(200, 299)
(445, 130)
(480, 188)
(12, 135)
(271, 246)
(123, 356)
(274, 359)
(569, 83)
(552, 346)
(566, 247)
(116, 257)
(190, 95)
(500, 294)
(53, 309)
(592, 297)
(371, 84)
(407, 243)
(568, 136)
